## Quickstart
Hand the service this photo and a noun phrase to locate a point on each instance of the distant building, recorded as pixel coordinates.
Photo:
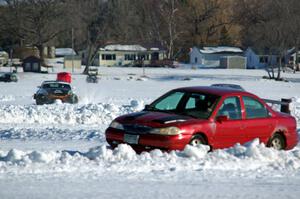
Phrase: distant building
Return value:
(233, 62)
(258, 58)
(72, 62)
(211, 56)
(128, 55)
(293, 59)
(32, 64)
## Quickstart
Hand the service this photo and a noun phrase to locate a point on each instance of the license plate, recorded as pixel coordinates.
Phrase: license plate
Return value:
(131, 139)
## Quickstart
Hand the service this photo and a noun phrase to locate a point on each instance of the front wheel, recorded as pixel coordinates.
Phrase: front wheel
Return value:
(39, 102)
(198, 140)
(277, 142)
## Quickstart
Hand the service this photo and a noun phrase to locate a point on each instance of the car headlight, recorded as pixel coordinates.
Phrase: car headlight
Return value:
(116, 125)
(166, 131)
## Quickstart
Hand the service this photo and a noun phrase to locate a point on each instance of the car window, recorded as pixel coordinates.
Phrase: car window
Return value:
(193, 99)
(231, 107)
(170, 102)
(254, 109)
(200, 105)
(56, 86)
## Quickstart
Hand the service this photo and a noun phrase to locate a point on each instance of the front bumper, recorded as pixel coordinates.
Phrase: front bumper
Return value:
(49, 99)
(149, 141)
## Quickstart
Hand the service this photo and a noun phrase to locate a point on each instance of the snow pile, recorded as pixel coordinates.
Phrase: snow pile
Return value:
(251, 159)
(21, 158)
(295, 109)
(91, 114)
(196, 152)
(7, 98)
(53, 133)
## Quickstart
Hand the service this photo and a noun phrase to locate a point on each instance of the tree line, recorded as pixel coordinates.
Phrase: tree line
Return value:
(175, 24)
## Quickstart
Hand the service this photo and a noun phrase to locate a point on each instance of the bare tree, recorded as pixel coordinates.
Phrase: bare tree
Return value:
(91, 23)
(268, 25)
(34, 22)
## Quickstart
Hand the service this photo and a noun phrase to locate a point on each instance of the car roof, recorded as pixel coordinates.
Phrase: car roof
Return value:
(232, 86)
(220, 91)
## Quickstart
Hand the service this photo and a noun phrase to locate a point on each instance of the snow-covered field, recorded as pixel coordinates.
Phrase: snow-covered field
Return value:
(59, 150)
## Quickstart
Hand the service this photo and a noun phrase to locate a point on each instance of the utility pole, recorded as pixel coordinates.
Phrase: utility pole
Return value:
(72, 50)
(11, 59)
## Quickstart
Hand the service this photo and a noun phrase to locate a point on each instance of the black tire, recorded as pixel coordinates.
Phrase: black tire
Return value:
(39, 102)
(74, 99)
(277, 142)
(198, 140)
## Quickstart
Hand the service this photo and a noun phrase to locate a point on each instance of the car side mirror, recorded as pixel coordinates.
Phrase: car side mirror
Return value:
(222, 118)
(147, 106)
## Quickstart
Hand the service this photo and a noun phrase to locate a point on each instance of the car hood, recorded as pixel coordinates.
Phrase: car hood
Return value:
(154, 119)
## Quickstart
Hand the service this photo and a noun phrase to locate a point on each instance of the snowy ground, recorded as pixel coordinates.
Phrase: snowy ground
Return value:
(59, 151)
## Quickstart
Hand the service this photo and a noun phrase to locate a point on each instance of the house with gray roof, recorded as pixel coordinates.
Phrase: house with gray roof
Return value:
(211, 56)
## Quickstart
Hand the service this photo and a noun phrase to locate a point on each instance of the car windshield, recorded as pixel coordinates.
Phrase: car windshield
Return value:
(56, 86)
(197, 105)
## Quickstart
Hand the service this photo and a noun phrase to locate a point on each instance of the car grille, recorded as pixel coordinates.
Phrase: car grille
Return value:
(136, 129)
(59, 94)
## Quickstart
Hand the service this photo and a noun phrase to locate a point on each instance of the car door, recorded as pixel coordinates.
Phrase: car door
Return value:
(229, 132)
(258, 121)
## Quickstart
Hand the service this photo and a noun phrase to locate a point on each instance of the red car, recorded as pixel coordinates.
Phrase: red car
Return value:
(214, 116)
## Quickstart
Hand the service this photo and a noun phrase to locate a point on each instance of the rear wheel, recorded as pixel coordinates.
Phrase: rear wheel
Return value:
(74, 99)
(277, 142)
(198, 140)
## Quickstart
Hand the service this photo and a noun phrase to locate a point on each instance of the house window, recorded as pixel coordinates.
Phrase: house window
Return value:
(263, 59)
(282, 60)
(108, 57)
(196, 60)
(130, 56)
(143, 57)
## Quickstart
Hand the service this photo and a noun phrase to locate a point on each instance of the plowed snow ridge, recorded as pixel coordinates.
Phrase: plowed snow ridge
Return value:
(66, 114)
(91, 114)
(253, 156)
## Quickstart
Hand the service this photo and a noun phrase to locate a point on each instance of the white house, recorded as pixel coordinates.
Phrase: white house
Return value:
(128, 55)
(210, 56)
(291, 58)
(259, 58)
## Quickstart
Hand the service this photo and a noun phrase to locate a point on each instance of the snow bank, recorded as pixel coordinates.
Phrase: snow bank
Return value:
(89, 114)
(295, 109)
(53, 133)
(7, 98)
(251, 159)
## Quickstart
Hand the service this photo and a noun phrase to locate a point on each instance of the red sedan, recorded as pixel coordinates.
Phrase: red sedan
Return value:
(212, 116)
